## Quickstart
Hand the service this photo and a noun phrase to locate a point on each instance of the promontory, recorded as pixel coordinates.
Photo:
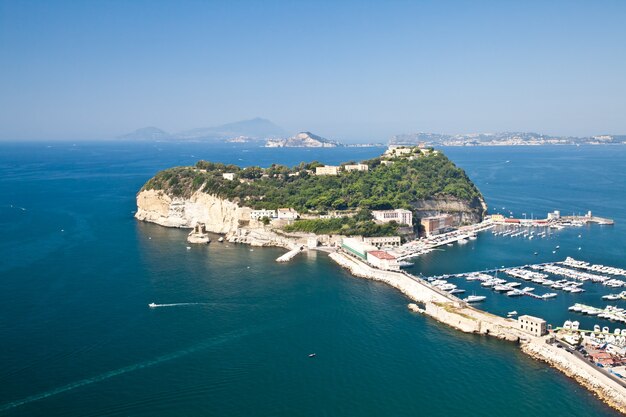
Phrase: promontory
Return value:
(383, 196)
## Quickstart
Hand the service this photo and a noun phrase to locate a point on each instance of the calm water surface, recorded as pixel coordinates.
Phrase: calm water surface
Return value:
(77, 272)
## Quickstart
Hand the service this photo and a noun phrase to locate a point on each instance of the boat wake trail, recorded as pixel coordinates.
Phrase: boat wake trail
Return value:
(154, 305)
(207, 344)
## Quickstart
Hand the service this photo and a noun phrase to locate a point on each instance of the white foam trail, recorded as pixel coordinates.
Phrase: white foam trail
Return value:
(168, 357)
(177, 304)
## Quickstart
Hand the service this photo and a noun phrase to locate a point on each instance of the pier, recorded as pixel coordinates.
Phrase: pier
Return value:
(289, 255)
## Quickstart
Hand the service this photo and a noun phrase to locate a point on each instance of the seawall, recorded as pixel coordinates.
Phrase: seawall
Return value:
(455, 313)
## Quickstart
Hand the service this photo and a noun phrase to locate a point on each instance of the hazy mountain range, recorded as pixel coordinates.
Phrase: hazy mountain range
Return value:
(266, 133)
(252, 129)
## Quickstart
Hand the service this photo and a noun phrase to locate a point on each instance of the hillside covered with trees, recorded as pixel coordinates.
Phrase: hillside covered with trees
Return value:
(389, 183)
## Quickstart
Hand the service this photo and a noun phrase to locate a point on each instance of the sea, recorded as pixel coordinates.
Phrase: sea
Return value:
(235, 330)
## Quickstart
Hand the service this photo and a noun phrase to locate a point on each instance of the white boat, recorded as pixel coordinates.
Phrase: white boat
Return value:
(514, 293)
(152, 305)
(475, 298)
(221, 239)
(457, 291)
(512, 313)
(549, 295)
(528, 289)
(611, 297)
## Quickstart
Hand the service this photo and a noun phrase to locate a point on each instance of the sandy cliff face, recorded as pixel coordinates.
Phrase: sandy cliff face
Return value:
(219, 216)
(464, 212)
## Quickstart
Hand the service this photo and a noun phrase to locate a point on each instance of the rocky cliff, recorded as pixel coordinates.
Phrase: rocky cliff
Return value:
(219, 215)
(464, 212)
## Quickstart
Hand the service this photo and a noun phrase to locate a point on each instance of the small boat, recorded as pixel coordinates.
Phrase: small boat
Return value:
(456, 291)
(549, 295)
(312, 355)
(536, 253)
(514, 293)
(611, 297)
(152, 305)
(188, 247)
(475, 298)
(221, 239)
(512, 313)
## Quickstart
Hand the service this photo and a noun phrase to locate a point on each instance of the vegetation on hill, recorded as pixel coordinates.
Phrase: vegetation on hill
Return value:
(395, 185)
(360, 224)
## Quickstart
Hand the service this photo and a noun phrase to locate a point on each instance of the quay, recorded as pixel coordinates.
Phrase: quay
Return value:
(419, 246)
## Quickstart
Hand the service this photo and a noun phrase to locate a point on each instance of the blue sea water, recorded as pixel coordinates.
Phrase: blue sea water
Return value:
(77, 272)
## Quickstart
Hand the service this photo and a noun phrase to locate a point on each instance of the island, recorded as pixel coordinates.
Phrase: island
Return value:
(264, 206)
(369, 216)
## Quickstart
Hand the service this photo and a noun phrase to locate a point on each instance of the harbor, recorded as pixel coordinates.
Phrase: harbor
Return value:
(535, 336)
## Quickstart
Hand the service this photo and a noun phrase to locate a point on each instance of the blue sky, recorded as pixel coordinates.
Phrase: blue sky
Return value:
(348, 70)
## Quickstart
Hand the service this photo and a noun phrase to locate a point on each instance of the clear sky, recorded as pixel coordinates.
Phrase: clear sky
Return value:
(348, 70)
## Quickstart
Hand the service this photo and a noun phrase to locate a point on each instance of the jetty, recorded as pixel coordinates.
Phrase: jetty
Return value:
(289, 255)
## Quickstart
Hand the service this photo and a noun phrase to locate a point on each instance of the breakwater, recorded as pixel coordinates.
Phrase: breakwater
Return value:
(451, 311)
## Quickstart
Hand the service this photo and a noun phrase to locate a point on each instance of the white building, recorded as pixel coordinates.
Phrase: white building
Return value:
(532, 325)
(383, 260)
(381, 241)
(357, 247)
(401, 216)
(287, 214)
(327, 170)
(356, 167)
(228, 176)
(399, 150)
(259, 214)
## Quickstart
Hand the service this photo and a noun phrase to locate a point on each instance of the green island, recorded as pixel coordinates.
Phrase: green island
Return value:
(396, 180)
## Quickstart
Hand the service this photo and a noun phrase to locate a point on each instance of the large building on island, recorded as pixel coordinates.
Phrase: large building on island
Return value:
(356, 167)
(259, 214)
(401, 216)
(327, 170)
(435, 225)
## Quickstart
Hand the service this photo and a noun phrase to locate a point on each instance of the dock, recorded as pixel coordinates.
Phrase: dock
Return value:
(420, 246)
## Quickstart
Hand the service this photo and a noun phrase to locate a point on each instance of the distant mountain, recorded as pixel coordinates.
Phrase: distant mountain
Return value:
(500, 139)
(147, 133)
(254, 128)
(302, 140)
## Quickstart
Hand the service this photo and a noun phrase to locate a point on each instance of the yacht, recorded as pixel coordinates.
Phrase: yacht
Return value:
(512, 313)
(549, 295)
(152, 305)
(611, 297)
(514, 293)
(475, 298)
